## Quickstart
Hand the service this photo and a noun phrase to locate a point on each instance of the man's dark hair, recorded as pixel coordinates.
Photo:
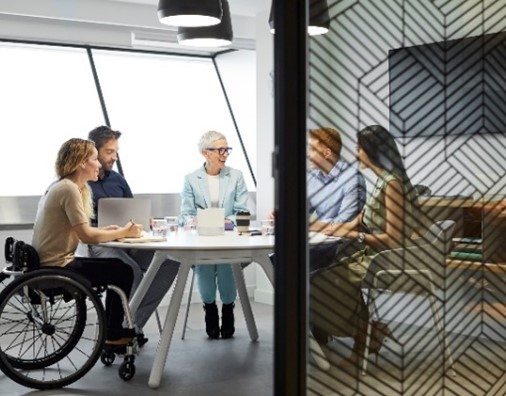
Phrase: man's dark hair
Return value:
(102, 134)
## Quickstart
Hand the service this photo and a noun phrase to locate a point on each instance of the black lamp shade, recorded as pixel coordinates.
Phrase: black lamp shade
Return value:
(271, 18)
(190, 12)
(319, 20)
(209, 36)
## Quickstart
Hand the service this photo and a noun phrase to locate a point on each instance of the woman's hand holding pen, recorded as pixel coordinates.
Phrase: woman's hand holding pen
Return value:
(133, 230)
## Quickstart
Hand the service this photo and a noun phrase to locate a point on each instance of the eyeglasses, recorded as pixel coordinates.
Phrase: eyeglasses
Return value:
(221, 150)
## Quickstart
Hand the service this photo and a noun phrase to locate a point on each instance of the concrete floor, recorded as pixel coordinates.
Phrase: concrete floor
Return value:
(198, 366)
(195, 366)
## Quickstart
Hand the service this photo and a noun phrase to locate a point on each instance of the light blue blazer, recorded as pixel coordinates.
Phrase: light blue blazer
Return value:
(233, 194)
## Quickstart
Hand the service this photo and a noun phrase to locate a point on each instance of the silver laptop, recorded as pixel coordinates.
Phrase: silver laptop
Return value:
(119, 211)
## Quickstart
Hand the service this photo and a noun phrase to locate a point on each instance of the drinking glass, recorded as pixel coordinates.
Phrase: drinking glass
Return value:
(267, 227)
(159, 227)
(172, 224)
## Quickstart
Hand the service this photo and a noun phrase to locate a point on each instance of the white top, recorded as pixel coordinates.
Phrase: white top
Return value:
(214, 189)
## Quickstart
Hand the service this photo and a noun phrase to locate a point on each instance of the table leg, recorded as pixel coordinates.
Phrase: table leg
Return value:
(147, 279)
(314, 348)
(265, 262)
(246, 306)
(168, 327)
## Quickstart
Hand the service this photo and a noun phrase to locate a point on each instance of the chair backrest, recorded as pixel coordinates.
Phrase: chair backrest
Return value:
(22, 256)
(426, 253)
(440, 232)
(422, 190)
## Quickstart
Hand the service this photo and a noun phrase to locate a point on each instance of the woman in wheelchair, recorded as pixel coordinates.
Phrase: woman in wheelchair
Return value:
(63, 219)
(388, 219)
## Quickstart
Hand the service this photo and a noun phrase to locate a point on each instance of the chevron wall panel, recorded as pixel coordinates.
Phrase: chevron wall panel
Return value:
(432, 72)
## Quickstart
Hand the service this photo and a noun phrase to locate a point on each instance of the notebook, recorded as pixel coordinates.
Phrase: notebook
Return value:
(120, 211)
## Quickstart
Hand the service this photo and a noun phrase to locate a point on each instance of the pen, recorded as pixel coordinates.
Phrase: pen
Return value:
(198, 206)
(131, 221)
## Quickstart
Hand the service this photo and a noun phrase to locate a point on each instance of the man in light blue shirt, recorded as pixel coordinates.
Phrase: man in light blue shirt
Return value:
(336, 190)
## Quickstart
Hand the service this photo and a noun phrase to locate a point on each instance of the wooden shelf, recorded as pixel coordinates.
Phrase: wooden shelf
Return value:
(476, 265)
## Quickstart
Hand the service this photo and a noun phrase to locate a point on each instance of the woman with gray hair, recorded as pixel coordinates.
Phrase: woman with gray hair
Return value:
(215, 185)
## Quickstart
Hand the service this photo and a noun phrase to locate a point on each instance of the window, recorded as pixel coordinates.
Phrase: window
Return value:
(48, 96)
(163, 104)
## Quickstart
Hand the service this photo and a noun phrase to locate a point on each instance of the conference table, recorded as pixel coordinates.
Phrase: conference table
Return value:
(189, 248)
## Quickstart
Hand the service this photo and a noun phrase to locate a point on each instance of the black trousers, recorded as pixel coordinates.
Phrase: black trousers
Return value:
(107, 271)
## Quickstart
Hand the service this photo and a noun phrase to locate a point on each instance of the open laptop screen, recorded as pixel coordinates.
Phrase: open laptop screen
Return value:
(119, 211)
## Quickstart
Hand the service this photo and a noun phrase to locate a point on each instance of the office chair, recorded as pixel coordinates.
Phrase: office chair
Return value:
(417, 269)
(243, 296)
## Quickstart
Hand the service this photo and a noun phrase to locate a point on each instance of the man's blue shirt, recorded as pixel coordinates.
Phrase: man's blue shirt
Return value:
(113, 185)
(337, 197)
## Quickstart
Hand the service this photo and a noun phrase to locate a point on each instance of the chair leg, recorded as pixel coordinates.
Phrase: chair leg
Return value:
(188, 305)
(371, 301)
(158, 321)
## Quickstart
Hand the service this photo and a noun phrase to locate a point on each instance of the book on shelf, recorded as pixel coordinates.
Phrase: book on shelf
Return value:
(467, 240)
(466, 256)
(467, 247)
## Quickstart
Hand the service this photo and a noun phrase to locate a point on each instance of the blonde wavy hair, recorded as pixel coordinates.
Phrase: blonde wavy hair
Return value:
(72, 154)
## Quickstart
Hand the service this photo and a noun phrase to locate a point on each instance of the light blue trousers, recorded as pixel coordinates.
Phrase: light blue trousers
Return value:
(210, 277)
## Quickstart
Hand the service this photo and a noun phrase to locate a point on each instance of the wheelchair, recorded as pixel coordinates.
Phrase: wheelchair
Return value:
(53, 323)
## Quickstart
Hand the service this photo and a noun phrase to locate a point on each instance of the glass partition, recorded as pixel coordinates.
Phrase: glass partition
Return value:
(426, 317)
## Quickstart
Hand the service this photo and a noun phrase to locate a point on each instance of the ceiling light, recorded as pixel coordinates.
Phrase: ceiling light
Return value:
(209, 36)
(189, 12)
(319, 20)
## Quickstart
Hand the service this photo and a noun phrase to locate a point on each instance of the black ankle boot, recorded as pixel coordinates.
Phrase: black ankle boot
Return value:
(227, 320)
(212, 320)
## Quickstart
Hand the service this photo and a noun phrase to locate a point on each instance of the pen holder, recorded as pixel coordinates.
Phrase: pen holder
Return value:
(243, 220)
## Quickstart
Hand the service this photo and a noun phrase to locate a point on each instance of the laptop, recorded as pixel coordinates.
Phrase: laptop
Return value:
(211, 221)
(120, 211)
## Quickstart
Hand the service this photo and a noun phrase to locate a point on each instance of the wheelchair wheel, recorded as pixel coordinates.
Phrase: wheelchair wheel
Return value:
(52, 328)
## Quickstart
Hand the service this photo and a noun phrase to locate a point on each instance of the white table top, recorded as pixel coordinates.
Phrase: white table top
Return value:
(190, 240)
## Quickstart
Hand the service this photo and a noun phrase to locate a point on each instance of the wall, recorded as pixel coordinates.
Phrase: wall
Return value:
(350, 85)
(265, 137)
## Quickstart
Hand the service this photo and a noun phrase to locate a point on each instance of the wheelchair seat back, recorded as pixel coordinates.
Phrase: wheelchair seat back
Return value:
(22, 256)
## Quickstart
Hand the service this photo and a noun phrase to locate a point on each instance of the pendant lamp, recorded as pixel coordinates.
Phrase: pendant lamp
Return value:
(319, 20)
(209, 36)
(189, 12)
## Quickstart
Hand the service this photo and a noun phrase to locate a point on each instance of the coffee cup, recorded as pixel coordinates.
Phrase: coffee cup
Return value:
(243, 220)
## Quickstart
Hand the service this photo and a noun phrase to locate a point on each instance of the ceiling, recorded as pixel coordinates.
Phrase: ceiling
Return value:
(237, 7)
